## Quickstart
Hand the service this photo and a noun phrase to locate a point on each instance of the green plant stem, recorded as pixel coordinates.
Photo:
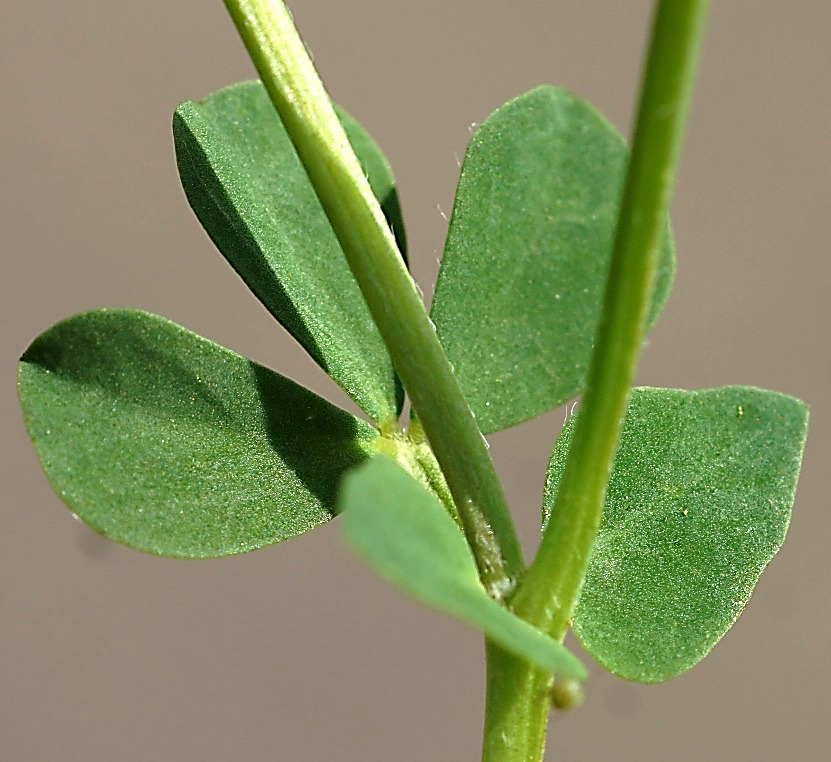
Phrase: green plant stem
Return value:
(550, 588)
(548, 592)
(516, 708)
(298, 95)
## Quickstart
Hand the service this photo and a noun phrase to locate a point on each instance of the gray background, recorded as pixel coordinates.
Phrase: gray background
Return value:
(297, 652)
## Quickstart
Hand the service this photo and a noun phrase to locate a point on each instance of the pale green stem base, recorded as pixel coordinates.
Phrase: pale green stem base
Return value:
(517, 703)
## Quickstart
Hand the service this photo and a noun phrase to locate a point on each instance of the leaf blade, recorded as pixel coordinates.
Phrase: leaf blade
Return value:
(166, 442)
(403, 531)
(521, 284)
(698, 504)
(249, 190)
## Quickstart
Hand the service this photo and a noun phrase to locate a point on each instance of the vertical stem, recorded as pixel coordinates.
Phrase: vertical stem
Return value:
(517, 707)
(549, 591)
(517, 701)
(298, 95)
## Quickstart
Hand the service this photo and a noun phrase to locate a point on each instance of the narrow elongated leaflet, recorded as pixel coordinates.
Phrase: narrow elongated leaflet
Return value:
(164, 441)
(404, 532)
(249, 190)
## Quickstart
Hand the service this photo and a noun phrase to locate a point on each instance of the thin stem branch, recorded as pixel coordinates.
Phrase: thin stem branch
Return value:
(549, 591)
(298, 95)
(518, 694)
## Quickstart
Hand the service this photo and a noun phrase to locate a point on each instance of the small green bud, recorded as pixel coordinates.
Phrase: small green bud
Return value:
(566, 693)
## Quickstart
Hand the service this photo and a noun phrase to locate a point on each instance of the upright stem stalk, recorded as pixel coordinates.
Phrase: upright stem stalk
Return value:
(548, 592)
(298, 95)
(550, 588)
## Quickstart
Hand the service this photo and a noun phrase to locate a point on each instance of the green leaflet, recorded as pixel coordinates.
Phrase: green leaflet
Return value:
(404, 532)
(249, 190)
(169, 443)
(521, 284)
(698, 504)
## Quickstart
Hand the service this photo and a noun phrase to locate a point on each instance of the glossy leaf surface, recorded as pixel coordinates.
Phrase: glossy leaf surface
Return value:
(164, 441)
(521, 284)
(404, 532)
(698, 504)
(249, 190)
